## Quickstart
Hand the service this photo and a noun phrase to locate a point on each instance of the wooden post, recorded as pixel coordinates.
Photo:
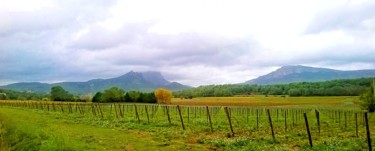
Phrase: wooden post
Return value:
(247, 115)
(318, 120)
(209, 118)
(270, 121)
(293, 117)
(182, 120)
(285, 125)
(257, 118)
(100, 110)
(148, 118)
(136, 113)
(277, 114)
(368, 133)
(53, 106)
(356, 124)
(229, 120)
(308, 129)
(188, 112)
(115, 110)
(167, 111)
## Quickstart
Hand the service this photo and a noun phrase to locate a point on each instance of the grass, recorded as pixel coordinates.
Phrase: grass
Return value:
(40, 130)
(268, 101)
(40, 127)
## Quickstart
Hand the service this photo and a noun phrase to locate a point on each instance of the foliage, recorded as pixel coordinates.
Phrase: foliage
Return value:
(25, 95)
(348, 87)
(97, 97)
(59, 94)
(133, 96)
(85, 98)
(113, 94)
(368, 99)
(163, 95)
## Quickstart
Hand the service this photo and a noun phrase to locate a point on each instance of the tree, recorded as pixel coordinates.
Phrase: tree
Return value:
(163, 95)
(113, 94)
(127, 98)
(59, 94)
(3, 96)
(97, 97)
(85, 97)
(134, 96)
(368, 98)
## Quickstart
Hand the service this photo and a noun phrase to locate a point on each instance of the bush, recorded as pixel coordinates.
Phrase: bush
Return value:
(368, 99)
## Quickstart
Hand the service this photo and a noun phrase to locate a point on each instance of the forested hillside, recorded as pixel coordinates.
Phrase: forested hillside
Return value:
(346, 87)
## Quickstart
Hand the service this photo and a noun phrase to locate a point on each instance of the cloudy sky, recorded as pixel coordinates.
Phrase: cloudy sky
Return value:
(194, 42)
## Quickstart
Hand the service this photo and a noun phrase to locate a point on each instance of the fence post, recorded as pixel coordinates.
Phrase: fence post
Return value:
(136, 113)
(270, 121)
(308, 129)
(209, 118)
(356, 124)
(230, 122)
(148, 118)
(318, 119)
(368, 133)
(182, 120)
(285, 120)
(167, 111)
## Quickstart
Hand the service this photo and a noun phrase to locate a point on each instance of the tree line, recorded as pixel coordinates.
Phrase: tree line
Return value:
(113, 94)
(25, 95)
(345, 87)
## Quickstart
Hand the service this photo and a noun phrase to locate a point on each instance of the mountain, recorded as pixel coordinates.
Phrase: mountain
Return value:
(137, 81)
(298, 73)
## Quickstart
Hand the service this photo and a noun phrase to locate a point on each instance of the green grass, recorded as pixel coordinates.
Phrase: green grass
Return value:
(31, 126)
(41, 130)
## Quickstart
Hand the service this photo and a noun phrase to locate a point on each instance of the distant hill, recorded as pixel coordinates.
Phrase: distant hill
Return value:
(291, 74)
(138, 81)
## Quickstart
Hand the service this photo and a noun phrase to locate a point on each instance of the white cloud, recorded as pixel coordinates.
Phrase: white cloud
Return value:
(194, 42)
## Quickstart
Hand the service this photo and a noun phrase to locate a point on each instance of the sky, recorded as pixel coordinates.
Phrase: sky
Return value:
(194, 42)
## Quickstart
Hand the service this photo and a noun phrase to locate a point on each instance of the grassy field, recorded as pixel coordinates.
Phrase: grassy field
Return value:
(261, 100)
(46, 126)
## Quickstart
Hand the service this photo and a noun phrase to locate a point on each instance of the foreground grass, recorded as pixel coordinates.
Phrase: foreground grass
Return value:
(38, 130)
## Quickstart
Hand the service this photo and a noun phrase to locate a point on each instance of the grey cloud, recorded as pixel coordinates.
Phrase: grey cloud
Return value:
(134, 45)
(99, 38)
(67, 14)
(31, 44)
(345, 18)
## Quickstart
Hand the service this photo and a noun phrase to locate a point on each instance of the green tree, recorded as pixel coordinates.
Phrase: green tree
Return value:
(368, 98)
(149, 98)
(59, 94)
(134, 96)
(127, 98)
(97, 97)
(113, 94)
(3, 96)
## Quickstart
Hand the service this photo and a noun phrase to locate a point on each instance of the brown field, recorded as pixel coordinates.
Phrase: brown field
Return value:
(345, 101)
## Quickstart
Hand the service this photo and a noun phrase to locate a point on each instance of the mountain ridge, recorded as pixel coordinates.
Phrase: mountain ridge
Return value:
(131, 81)
(299, 73)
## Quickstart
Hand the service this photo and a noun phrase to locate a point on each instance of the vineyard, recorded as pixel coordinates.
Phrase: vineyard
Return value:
(230, 127)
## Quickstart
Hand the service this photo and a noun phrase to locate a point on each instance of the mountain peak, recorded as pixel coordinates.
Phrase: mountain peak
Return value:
(155, 77)
(299, 73)
(295, 69)
(138, 81)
